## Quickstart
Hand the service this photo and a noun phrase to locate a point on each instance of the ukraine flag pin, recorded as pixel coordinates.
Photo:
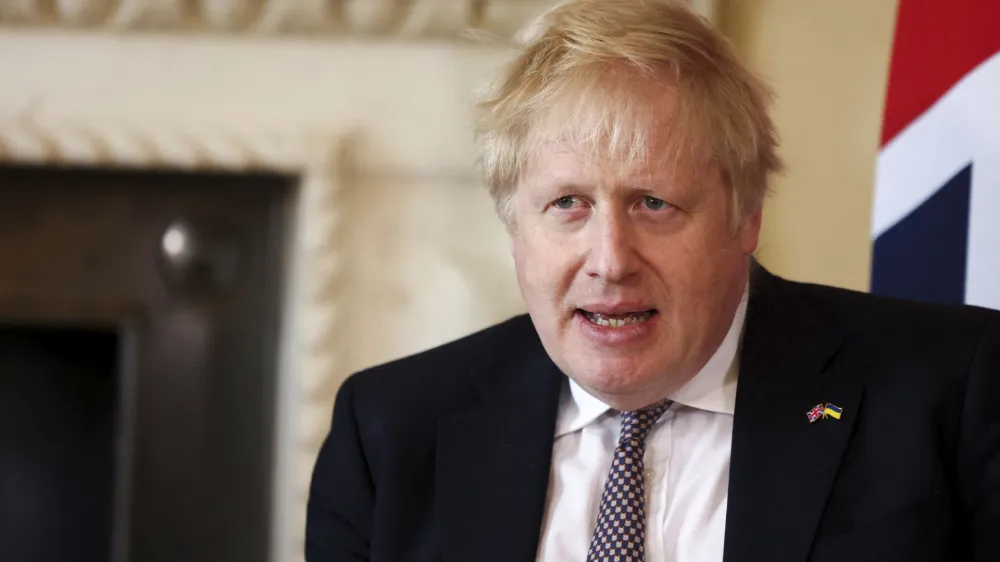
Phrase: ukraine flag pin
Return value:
(832, 411)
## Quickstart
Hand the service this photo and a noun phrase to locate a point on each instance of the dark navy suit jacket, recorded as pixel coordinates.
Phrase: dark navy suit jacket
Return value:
(444, 456)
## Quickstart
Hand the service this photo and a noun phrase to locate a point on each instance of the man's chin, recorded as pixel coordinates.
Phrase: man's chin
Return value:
(624, 396)
(621, 381)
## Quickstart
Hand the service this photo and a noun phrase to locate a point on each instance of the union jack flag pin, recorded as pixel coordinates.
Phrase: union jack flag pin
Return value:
(816, 413)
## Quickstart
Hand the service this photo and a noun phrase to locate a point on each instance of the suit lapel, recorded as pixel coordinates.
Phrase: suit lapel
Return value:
(783, 466)
(493, 460)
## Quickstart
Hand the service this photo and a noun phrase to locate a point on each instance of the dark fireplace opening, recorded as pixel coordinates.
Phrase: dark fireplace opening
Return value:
(152, 437)
(59, 411)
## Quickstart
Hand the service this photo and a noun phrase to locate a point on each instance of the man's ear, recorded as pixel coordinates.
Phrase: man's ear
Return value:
(749, 232)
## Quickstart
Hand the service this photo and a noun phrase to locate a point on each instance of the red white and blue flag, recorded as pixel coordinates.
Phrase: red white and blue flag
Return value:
(936, 213)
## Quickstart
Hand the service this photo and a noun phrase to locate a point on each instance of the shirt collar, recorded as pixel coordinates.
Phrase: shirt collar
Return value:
(713, 389)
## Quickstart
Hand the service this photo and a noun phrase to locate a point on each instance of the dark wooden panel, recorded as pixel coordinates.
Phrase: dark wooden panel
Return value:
(84, 247)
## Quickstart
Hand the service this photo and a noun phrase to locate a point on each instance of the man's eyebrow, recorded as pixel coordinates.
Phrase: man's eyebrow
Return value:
(644, 184)
(559, 185)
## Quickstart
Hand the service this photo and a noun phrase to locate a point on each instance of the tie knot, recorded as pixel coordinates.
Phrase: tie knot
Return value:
(637, 423)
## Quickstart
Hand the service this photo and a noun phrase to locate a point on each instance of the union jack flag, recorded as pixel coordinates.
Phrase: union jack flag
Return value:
(937, 194)
(816, 413)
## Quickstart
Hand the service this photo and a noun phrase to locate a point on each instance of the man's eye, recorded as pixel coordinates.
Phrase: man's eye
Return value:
(565, 202)
(654, 204)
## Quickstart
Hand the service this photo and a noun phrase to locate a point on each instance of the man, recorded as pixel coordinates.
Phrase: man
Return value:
(665, 398)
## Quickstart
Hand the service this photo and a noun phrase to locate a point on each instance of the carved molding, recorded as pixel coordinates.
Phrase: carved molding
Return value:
(398, 18)
(405, 18)
(324, 236)
(70, 140)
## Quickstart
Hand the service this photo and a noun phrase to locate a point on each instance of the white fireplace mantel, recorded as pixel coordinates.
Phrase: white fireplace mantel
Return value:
(377, 133)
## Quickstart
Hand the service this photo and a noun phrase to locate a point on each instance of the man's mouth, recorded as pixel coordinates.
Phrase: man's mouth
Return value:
(617, 320)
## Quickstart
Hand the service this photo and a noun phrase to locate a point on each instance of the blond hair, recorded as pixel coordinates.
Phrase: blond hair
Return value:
(585, 72)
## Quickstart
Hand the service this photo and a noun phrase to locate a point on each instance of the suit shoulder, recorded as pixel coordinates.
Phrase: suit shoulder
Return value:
(439, 378)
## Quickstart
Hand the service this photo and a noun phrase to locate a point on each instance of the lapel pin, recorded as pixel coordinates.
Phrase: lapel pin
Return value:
(824, 410)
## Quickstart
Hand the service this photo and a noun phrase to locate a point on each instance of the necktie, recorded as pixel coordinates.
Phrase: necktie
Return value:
(620, 534)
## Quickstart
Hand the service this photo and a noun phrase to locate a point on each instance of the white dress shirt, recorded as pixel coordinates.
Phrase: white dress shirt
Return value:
(687, 466)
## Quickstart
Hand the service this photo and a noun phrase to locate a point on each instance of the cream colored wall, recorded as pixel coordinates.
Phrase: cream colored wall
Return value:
(828, 61)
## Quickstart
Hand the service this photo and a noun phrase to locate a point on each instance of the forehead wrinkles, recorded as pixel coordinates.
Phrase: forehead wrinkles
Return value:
(618, 116)
(564, 164)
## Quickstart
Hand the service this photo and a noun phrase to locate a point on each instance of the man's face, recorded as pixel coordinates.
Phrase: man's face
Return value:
(630, 271)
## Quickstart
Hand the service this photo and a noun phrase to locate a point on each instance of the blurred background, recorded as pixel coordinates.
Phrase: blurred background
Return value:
(213, 211)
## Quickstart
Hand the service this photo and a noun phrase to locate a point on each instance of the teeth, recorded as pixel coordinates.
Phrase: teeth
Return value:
(632, 319)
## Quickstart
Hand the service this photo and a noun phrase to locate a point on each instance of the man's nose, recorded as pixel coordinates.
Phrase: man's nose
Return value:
(612, 256)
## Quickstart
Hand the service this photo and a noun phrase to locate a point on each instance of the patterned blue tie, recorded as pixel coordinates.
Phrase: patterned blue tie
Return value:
(620, 535)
